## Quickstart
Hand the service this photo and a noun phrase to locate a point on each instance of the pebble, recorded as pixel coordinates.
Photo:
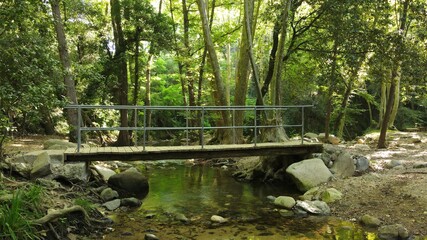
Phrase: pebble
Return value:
(181, 217)
(218, 219)
(150, 236)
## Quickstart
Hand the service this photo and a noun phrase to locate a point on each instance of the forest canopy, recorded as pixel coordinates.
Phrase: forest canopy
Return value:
(361, 64)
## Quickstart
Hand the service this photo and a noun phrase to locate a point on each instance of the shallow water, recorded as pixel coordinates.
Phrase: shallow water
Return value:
(200, 191)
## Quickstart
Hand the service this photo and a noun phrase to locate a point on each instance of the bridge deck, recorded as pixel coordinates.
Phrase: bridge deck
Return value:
(188, 152)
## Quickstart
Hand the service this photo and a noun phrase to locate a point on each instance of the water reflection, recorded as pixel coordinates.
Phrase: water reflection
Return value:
(195, 189)
(199, 192)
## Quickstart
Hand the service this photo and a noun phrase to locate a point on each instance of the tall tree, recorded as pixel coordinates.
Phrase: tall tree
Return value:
(393, 96)
(71, 93)
(121, 69)
(219, 91)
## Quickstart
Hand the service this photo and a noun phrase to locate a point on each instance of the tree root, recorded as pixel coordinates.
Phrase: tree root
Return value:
(55, 214)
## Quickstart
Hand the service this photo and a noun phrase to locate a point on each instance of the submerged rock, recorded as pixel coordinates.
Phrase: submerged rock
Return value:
(285, 202)
(218, 219)
(309, 173)
(150, 236)
(271, 198)
(314, 207)
(286, 213)
(393, 232)
(181, 217)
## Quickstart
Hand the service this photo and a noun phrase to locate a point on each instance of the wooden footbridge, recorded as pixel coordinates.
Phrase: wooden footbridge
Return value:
(146, 152)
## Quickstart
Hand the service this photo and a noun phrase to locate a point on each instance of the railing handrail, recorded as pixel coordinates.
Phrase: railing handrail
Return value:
(145, 128)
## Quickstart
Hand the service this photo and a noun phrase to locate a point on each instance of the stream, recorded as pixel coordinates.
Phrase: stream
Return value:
(183, 197)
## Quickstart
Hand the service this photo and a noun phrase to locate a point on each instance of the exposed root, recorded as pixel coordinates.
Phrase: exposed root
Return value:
(55, 214)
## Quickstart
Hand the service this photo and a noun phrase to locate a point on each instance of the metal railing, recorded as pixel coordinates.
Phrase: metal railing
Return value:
(203, 111)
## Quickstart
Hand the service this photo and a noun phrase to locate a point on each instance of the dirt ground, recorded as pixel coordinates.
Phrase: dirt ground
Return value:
(394, 194)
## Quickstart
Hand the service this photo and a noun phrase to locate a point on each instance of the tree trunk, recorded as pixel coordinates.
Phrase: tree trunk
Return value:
(383, 102)
(219, 91)
(242, 74)
(121, 71)
(189, 78)
(147, 100)
(340, 119)
(71, 93)
(178, 55)
(277, 73)
(269, 75)
(332, 83)
(395, 78)
(278, 134)
(135, 96)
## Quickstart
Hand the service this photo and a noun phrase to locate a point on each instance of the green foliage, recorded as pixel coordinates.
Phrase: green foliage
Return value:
(407, 118)
(87, 205)
(16, 216)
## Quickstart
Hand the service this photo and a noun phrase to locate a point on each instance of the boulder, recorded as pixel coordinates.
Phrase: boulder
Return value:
(24, 163)
(103, 172)
(58, 144)
(108, 194)
(361, 162)
(331, 195)
(334, 140)
(130, 202)
(370, 221)
(309, 173)
(41, 166)
(72, 171)
(311, 135)
(312, 194)
(130, 183)
(314, 207)
(393, 232)
(393, 163)
(112, 205)
(285, 202)
(343, 166)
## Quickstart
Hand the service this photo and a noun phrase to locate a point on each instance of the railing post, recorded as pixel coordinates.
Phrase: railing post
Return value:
(302, 125)
(186, 125)
(135, 132)
(234, 126)
(255, 126)
(79, 123)
(145, 129)
(203, 128)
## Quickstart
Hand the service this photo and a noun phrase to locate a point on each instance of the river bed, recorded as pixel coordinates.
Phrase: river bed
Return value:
(183, 197)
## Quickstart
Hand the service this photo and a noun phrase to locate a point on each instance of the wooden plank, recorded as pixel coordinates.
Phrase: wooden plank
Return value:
(186, 152)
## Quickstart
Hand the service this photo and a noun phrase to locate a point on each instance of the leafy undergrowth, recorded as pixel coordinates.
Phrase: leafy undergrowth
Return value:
(33, 211)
